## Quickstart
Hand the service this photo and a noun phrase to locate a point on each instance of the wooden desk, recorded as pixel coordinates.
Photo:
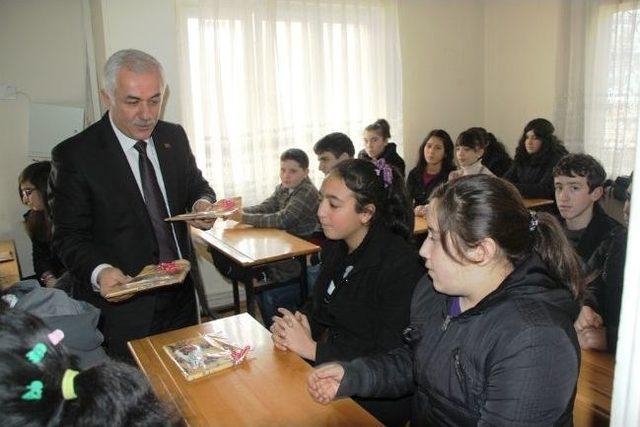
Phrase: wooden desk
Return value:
(537, 203)
(9, 269)
(592, 406)
(252, 247)
(267, 390)
(419, 225)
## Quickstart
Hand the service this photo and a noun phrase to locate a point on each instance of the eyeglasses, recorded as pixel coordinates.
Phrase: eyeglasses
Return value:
(26, 192)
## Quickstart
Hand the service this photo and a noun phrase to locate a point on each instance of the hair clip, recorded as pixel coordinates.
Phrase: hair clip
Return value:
(68, 389)
(533, 221)
(34, 391)
(383, 168)
(56, 336)
(38, 352)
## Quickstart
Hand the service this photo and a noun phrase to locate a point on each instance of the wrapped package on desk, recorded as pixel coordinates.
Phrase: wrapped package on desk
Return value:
(205, 354)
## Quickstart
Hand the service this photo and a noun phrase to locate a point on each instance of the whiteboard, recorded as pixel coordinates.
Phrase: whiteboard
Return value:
(51, 124)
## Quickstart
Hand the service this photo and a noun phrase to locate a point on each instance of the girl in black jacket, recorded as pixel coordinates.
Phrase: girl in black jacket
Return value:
(369, 270)
(435, 162)
(491, 340)
(537, 153)
(377, 146)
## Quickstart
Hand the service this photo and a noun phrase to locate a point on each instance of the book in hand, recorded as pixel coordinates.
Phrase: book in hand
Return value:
(221, 208)
(205, 354)
(154, 276)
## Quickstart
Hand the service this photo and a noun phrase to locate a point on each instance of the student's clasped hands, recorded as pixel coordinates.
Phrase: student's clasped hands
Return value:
(591, 332)
(292, 332)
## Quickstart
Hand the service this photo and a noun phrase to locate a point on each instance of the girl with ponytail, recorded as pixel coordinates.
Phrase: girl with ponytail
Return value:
(42, 385)
(491, 340)
(368, 273)
(377, 146)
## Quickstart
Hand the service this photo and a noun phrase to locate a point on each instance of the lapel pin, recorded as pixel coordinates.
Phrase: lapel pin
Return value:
(166, 145)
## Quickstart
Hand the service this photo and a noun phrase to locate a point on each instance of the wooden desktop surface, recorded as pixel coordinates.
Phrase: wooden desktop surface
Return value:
(250, 246)
(592, 406)
(537, 203)
(420, 223)
(9, 269)
(269, 389)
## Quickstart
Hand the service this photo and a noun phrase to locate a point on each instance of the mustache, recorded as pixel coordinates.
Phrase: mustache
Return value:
(144, 122)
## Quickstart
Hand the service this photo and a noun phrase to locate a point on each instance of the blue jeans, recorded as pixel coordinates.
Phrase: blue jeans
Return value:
(269, 301)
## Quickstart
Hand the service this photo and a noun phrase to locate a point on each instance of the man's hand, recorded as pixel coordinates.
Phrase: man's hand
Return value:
(110, 279)
(202, 224)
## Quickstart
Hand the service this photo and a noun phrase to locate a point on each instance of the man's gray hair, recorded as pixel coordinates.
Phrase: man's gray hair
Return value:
(134, 60)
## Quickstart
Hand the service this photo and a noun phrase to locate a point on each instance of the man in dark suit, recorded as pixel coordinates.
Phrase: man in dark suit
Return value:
(111, 187)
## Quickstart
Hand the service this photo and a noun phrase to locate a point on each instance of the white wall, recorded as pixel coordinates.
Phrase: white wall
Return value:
(443, 68)
(148, 25)
(470, 63)
(42, 51)
(521, 47)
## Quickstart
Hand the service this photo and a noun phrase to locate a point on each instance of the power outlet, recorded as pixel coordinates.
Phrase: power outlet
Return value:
(7, 92)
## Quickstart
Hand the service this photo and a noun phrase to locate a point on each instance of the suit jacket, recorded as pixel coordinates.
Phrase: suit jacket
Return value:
(99, 214)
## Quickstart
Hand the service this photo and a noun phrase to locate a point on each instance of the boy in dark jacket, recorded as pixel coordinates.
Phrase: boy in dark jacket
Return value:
(601, 243)
(331, 149)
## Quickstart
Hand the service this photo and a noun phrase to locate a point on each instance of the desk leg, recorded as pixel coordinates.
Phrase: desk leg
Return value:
(236, 297)
(251, 300)
(303, 278)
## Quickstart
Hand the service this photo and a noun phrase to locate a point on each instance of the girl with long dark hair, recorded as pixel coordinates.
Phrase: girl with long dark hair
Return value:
(369, 269)
(435, 162)
(537, 153)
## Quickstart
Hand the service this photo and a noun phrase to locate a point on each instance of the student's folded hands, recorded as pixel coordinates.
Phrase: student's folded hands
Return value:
(292, 332)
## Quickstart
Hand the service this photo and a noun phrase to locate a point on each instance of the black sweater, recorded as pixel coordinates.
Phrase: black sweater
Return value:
(390, 155)
(513, 359)
(533, 174)
(367, 311)
(603, 248)
(415, 186)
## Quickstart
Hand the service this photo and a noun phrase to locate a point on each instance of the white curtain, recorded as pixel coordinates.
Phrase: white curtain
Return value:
(261, 76)
(598, 107)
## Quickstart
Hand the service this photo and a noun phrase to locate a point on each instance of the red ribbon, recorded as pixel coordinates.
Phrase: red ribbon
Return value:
(169, 267)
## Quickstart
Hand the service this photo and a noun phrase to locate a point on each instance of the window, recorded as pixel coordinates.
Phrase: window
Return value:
(261, 77)
(612, 86)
